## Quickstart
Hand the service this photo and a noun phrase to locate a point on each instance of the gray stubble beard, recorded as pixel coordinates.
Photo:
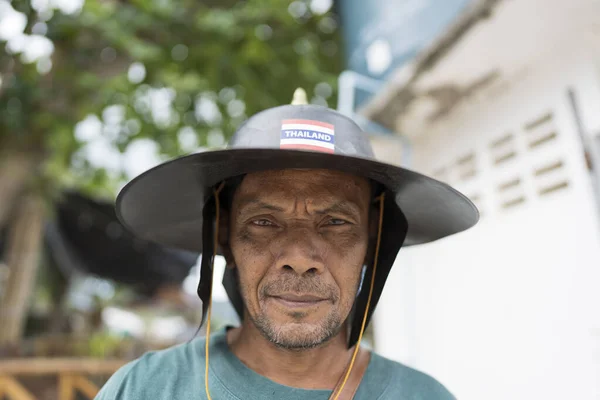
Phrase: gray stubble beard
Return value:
(321, 333)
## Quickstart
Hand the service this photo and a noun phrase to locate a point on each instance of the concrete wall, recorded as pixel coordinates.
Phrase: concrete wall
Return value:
(511, 308)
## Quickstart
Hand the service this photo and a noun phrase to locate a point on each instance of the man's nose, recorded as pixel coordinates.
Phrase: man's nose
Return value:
(301, 250)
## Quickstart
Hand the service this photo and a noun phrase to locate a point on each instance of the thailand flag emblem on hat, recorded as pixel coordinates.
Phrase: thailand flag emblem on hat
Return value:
(305, 134)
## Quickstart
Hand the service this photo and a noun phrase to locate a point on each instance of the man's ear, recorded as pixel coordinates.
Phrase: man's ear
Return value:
(223, 239)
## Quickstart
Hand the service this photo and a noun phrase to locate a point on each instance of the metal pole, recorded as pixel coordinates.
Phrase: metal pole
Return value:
(591, 152)
(348, 82)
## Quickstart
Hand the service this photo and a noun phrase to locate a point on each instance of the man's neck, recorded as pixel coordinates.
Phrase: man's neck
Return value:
(317, 368)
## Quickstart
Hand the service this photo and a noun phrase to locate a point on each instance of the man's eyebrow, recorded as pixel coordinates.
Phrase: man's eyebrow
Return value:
(255, 204)
(342, 207)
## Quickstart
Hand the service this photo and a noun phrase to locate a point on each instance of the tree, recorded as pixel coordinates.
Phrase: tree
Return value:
(116, 74)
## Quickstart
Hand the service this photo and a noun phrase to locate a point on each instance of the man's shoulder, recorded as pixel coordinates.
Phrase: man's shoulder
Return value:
(409, 383)
(149, 372)
(182, 355)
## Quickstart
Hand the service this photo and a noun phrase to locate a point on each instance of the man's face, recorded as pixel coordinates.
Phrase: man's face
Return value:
(299, 240)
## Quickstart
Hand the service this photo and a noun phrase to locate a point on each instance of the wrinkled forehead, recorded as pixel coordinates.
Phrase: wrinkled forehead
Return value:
(314, 185)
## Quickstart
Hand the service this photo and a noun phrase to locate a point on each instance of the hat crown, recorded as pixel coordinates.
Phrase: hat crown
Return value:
(303, 127)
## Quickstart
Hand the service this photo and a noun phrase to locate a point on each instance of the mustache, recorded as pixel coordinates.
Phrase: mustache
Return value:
(302, 285)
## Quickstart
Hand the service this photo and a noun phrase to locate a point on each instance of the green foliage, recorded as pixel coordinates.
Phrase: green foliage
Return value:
(240, 56)
(102, 345)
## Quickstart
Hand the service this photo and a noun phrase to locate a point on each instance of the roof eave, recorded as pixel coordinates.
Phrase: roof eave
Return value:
(387, 106)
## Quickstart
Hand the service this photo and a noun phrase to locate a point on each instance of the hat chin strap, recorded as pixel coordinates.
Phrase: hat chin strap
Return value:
(336, 393)
(340, 386)
(212, 268)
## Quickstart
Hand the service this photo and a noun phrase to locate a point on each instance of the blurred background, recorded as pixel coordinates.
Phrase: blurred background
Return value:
(498, 98)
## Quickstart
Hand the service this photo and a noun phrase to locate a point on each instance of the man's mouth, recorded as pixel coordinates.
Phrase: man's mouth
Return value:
(295, 300)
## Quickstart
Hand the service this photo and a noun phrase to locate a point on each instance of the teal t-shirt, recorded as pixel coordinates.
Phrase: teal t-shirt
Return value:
(178, 373)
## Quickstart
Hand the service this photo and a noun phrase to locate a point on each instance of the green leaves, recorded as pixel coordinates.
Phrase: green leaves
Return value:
(158, 59)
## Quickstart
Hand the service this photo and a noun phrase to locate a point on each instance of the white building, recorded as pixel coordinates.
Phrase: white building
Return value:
(507, 110)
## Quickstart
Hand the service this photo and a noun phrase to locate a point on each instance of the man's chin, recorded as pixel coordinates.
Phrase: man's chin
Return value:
(298, 335)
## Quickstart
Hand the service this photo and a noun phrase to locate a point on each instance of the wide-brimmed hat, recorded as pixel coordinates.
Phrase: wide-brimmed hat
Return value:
(172, 204)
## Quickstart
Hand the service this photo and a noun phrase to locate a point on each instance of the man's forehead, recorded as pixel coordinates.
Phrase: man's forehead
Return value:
(323, 185)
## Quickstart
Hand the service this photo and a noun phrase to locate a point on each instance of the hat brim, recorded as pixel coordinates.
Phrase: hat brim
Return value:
(165, 204)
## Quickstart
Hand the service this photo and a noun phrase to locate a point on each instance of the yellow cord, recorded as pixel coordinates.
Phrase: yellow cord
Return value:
(212, 267)
(364, 321)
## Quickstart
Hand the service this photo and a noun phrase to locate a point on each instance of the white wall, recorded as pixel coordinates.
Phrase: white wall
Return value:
(511, 308)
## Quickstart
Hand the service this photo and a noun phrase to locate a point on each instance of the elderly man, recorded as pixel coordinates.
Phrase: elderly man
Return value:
(310, 225)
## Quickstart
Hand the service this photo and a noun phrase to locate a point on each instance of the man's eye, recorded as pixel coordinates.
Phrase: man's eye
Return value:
(262, 222)
(336, 221)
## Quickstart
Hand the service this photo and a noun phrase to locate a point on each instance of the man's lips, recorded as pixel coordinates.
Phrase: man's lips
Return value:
(295, 300)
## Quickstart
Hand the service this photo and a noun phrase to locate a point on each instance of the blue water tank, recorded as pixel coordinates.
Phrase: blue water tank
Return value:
(381, 35)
